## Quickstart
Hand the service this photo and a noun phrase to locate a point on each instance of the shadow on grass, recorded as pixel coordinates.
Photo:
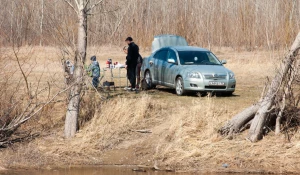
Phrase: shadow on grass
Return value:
(171, 91)
(163, 91)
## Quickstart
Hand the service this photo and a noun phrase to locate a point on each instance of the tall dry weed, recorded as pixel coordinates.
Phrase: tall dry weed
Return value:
(197, 123)
(118, 117)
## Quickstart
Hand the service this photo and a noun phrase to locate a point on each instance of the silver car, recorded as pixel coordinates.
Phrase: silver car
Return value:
(175, 64)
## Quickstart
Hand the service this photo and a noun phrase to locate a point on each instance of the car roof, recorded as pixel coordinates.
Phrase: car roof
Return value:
(186, 48)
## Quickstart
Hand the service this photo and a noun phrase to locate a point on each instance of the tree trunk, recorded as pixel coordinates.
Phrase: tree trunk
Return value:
(41, 24)
(71, 122)
(259, 121)
(239, 120)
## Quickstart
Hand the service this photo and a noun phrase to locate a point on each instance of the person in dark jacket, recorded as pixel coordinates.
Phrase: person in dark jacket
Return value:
(131, 62)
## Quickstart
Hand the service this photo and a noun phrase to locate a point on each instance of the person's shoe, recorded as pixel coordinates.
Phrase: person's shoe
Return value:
(133, 89)
(127, 88)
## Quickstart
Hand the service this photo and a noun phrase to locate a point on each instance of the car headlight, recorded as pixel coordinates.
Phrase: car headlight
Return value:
(194, 75)
(231, 76)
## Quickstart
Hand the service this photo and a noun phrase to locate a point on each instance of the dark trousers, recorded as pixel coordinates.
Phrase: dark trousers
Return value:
(138, 74)
(131, 74)
(95, 81)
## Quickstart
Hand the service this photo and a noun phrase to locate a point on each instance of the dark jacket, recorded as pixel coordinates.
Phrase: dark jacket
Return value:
(132, 55)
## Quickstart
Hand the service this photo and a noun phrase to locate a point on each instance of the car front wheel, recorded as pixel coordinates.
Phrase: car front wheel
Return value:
(179, 86)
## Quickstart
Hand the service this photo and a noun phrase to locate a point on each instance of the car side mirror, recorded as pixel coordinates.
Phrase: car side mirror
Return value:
(170, 60)
(223, 61)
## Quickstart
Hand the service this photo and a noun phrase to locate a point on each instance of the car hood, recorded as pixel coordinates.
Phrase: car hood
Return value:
(206, 69)
(167, 40)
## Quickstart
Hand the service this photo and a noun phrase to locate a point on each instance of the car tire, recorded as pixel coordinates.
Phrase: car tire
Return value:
(179, 87)
(148, 80)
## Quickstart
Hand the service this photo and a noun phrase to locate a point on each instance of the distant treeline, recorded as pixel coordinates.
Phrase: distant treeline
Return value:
(246, 24)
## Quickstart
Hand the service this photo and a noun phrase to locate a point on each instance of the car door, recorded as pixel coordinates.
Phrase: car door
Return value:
(159, 65)
(169, 69)
(154, 64)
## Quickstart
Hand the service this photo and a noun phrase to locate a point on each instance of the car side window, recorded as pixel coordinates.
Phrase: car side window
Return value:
(163, 55)
(172, 55)
(156, 55)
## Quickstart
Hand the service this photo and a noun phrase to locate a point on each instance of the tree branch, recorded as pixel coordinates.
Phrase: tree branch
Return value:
(37, 108)
(23, 73)
(102, 12)
(72, 5)
(95, 5)
(87, 2)
(77, 4)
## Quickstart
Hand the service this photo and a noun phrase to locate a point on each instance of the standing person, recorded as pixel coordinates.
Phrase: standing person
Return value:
(138, 68)
(69, 70)
(70, 67)
(125, 50)
(131, 61)
(138, 71)
(95, 69)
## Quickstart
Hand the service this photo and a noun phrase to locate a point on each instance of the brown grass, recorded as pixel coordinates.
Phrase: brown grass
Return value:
(184, 129)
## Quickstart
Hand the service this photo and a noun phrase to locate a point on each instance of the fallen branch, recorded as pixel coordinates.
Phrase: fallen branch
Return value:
(273, 100)
(142, 131)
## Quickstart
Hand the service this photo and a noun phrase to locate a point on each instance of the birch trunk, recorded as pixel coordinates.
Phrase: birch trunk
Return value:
(71, 122)
(41, 24)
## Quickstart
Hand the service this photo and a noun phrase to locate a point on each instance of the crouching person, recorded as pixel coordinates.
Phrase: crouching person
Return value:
(95, 71)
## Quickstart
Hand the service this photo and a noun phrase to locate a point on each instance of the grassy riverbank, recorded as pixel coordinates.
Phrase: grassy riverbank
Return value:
(183, 129)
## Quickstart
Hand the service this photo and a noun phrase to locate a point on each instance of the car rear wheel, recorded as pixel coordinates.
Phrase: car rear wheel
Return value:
(179, 87)
(148, 79)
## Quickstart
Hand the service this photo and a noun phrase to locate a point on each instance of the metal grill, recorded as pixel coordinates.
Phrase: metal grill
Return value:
(215, 87)
(215, 76)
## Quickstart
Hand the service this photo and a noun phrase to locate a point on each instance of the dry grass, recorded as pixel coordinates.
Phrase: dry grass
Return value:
(184, 129)
(24, 156)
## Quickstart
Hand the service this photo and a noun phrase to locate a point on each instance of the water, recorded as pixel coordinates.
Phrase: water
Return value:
(92, 171)
(103, 170)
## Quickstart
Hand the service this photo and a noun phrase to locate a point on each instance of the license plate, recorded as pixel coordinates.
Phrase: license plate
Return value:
(215, 83)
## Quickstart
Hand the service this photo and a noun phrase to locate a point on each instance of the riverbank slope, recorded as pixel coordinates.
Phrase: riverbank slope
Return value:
(156, 128)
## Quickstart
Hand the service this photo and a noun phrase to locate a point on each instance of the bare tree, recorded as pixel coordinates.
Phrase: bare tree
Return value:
(206, 23)
(19, 106)
(82, 9)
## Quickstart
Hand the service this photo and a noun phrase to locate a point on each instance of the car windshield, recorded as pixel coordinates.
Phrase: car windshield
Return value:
(198, 58)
